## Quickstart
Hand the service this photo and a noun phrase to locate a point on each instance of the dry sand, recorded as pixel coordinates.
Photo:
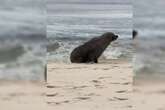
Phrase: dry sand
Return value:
(21, 95)
(149, 93)
(85, 87)
(105, 86)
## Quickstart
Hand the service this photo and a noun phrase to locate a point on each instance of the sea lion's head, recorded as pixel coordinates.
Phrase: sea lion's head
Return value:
(110, 36)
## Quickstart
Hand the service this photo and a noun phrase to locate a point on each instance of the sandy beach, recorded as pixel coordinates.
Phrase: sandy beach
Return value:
(104, 86)
(149, 93)
(21, 95)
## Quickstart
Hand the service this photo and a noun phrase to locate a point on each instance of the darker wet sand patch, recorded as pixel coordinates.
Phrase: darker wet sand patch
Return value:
(105, 77)
(83, 98)
(52, 95)
(79, 87)
(119, 98)
(58, 103)
(52, 86)
(122, 91)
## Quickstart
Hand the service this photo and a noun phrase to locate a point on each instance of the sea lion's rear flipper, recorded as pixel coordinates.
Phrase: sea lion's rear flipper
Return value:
(95, 60)
(92, 57)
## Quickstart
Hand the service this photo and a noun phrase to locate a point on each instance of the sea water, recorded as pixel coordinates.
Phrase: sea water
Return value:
(150, 51)
(22, 39)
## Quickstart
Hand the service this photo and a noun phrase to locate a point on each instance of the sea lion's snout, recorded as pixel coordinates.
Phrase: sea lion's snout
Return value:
(115, 37)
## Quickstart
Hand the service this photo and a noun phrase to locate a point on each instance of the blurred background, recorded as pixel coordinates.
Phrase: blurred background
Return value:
(149, 21)
(149, 60)
(22, 39)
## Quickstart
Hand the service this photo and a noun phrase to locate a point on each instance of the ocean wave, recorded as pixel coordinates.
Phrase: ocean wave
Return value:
(149, 57)
(52, 46)
(10, 53)
(118, 49)
(21, 60)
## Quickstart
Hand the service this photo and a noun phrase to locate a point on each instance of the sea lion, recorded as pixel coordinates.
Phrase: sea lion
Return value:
(134, 34)
(92, 50)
